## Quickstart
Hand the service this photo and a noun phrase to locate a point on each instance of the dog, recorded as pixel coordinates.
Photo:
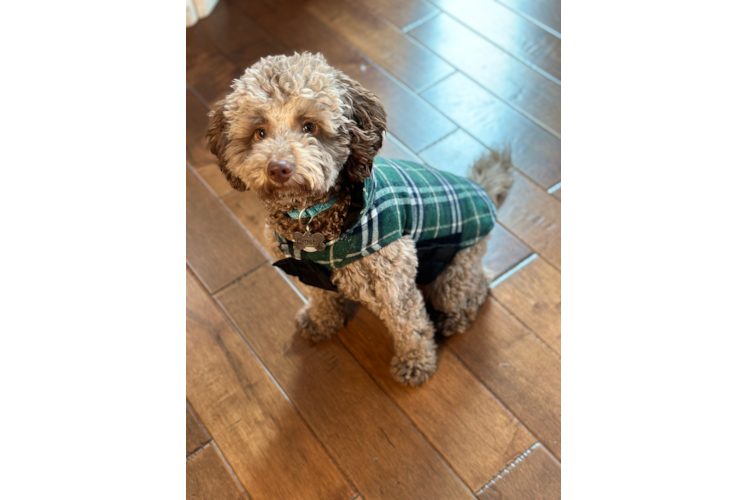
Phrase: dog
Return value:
(304, 137)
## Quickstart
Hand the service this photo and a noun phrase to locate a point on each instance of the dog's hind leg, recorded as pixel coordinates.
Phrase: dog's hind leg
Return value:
(385, 282)
(322, 316)
(459, 291)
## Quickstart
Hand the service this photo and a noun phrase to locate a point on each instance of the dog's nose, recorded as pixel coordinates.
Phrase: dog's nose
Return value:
(280, 171)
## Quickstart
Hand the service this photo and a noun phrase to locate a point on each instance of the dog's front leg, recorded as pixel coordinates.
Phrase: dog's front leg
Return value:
(386, 283)
(322, 316)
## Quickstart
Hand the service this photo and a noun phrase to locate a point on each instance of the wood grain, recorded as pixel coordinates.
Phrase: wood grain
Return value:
(504, 252)
(209, 479)
(536, 477)
(237, 36)
(213, 176)
(535, 217)
(416, 123)
(517, 368)
(196, 435)
(369, 438)
(464, 421)
(198, 154)
(557, 193)
(456, 153)
(496, 70)
(272, 451)
(401, 13)
(385, 45)
(533, 294)
(217, 248)
(393, 148)
(509, 31)
(208, 71)
(495, 124)
(544, 12)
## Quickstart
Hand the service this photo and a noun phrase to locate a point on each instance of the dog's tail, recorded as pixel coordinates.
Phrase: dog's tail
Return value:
(493, 171)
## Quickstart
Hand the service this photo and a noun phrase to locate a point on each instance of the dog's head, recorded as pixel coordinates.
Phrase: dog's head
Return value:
(293, 126)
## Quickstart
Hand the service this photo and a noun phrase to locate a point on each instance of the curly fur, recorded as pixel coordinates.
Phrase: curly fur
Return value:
(280, 94)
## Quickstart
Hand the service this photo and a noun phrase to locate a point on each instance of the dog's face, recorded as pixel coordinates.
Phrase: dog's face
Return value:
(292, 126)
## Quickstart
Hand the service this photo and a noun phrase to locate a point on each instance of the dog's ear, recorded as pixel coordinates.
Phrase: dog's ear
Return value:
(367, 133)
(218, 141)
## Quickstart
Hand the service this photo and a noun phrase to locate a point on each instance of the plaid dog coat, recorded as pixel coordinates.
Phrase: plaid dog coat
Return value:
(442, 212)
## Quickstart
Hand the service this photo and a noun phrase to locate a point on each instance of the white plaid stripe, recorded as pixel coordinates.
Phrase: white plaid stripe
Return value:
(433, 196)
(414, 195)
(456, 208)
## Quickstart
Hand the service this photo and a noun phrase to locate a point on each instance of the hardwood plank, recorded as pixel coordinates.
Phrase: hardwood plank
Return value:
(402, 13)
(533, 294)
(456, 153)
(394, 149)
(509, 31)
(196, 435)
(537, 476)
(494, 69)
(209, 479)
(371, 440)
(495, 124)
(213, 176)
(237, 36)
(415, 122)
(504, 252)
(461, 418)
(535, 217)
(208, 71)
(557, 193)
(198, 154)
(217, 248)
(272, 451)
(413, 65)
(517, 368)
(542, 11)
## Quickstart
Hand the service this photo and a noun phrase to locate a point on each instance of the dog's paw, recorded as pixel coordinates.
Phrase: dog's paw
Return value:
(447, 324)
(315, 331)
(416, 366)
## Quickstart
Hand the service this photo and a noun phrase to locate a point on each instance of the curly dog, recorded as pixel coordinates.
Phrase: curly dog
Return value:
(304, 137)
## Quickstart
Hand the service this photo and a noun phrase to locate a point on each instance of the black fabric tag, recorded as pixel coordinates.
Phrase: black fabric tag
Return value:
(434, 256)
(308, 272)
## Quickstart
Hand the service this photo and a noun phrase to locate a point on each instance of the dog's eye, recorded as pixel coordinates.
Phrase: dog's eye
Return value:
(260, 133)
(309, 128)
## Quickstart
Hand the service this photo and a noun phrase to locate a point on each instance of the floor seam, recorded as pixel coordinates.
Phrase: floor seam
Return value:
(508, 468)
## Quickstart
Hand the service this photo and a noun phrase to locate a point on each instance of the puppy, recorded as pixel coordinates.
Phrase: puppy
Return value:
(304, 137)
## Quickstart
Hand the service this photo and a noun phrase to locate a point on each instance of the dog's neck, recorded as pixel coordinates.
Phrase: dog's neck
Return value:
(329, 223)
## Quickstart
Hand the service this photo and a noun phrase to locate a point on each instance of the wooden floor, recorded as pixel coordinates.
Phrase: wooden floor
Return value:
(270, 416)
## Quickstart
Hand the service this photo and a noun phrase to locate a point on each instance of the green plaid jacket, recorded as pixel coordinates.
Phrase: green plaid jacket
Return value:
(436, 208)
